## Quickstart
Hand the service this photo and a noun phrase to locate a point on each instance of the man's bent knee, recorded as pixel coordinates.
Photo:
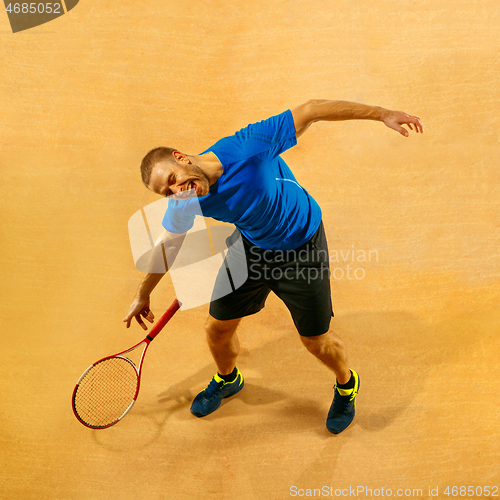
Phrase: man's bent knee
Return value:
(218, 328)
(319, 344)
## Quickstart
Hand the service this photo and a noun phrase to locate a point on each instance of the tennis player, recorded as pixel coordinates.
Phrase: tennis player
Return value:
(242, 180)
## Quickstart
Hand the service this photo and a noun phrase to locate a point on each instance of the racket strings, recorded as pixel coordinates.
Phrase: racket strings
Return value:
(106, 391)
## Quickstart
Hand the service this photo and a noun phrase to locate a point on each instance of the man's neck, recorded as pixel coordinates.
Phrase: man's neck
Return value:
(210, 165)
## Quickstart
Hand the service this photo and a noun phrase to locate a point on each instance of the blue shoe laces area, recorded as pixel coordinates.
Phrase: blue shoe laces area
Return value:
(213, 388)
(341, 403)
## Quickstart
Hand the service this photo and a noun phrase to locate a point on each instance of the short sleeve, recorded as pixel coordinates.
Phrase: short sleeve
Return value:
(288, 137)
(265, 139)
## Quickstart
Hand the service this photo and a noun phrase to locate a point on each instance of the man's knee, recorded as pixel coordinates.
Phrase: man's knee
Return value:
(321, 344)
(217, 329)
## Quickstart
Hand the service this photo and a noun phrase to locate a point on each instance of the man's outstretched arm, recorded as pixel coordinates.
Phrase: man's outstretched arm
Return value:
(163, 255)
(323, 110)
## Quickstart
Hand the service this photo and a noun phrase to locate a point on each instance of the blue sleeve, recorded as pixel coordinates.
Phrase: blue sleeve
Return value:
(179, 217)
(266, 139)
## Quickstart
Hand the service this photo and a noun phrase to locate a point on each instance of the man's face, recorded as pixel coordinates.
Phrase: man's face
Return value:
(178, 180)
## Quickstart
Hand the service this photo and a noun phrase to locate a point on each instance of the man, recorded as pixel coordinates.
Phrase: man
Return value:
(242, 180)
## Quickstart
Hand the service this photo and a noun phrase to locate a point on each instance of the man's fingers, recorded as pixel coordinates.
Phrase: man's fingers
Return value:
(413, 122)
(417, 122)
(400, 118)
(148, 315)
(139, 320)
(127, 319)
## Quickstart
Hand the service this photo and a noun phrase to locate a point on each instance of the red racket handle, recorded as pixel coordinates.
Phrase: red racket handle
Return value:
(158, 327)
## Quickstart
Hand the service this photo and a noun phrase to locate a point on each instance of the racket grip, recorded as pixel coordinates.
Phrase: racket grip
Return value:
(158, 327)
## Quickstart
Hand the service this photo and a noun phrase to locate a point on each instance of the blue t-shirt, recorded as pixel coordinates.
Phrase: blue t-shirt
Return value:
(257, 191)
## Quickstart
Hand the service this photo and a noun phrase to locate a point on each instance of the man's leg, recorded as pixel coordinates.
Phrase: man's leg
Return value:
(223, 343)
(330, 349)
(225, 347)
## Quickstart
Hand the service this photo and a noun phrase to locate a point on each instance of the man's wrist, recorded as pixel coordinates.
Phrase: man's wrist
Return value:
(148, 284)
(141, 296)
(382, 113)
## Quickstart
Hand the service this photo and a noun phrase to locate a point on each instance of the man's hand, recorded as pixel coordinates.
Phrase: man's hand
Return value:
(394, 120)
(138, 308)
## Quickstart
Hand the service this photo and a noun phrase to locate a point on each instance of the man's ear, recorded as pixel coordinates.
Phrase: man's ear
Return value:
(181, 157)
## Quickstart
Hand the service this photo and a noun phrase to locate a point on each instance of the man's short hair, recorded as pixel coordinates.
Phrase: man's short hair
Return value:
(151, 159)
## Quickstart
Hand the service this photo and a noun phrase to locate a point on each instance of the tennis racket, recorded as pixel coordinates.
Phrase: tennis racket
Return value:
(108, 389)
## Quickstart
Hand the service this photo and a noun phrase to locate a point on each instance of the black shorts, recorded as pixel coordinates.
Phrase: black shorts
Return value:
(300, 278)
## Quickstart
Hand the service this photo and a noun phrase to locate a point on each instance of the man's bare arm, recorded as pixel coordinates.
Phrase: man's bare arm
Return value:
(163, 255)
(323, 110)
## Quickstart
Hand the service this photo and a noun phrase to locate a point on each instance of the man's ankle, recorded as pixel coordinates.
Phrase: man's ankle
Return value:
(230, 376)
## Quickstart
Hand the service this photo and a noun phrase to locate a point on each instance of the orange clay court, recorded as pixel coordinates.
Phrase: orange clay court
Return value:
(412, 226)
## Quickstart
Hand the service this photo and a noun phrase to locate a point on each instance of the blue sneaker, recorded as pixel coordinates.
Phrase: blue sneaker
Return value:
(209, 399)
(343, 407)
